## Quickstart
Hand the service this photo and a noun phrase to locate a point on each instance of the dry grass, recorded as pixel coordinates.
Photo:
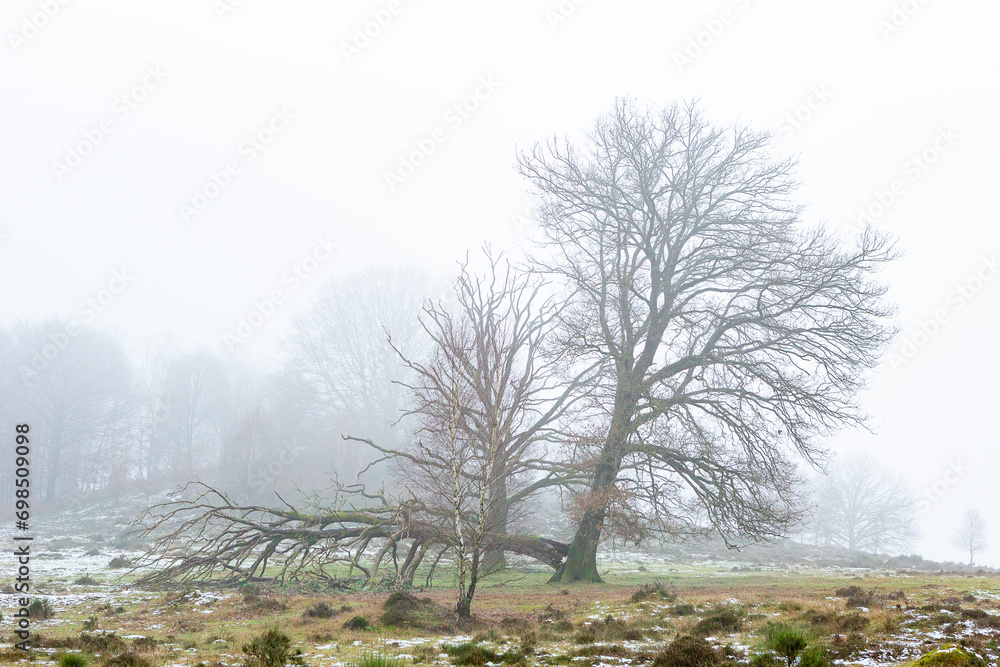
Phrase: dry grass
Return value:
(535, 624)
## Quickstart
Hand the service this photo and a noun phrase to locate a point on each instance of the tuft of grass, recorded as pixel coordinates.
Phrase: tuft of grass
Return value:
(90, 624)
(814, 656)
(127, 660)
(86, 580)
(786, 641)
(272, 648)
(764, 660)
(118, 562)
(378, 660)
(73, 660)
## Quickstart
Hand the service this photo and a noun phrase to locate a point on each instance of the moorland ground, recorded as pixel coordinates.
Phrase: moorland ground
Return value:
(856, 616)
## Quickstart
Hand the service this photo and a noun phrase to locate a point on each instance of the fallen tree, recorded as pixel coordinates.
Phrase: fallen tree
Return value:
(205, 536)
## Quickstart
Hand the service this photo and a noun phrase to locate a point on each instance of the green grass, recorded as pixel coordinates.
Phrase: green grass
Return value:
(375, 659)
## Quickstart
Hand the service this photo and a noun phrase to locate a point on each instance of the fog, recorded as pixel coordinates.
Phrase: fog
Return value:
(224, 199)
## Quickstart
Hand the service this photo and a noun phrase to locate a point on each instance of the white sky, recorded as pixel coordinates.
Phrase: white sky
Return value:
(881, 97)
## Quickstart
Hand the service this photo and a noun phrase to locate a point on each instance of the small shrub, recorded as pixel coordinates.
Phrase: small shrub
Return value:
(403, 609)
(655, 591)
(724, 619)
(118, 562)
(93, 552)
(687, 651)
(40, 609)
(319, 610)
(472, 654)
(684, 610)
(610, 630)
(90, 624)
(144, 644)
(101, 642)
(257, 599)
(357, 623)
(272, 648)
(844, 647)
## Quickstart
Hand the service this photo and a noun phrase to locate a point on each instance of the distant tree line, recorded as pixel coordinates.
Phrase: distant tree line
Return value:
(108, 422)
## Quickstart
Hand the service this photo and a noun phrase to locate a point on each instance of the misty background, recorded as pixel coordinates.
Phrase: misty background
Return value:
(251, 157)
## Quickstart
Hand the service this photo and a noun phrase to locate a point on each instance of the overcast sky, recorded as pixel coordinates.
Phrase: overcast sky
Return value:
(179, 162)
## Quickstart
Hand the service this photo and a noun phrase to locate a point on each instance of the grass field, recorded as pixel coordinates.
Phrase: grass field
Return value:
(850, 616)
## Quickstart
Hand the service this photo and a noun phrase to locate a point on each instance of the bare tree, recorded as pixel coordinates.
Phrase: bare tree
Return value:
(864, 507)
(971, 534)
(339, 346)
(486, 404)
(730, 336)
(76, 395)
(188, 438)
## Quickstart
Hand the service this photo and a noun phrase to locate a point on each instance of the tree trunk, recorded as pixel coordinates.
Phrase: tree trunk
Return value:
(496, 524)
(55, 452)
(464, 607)
(581, 563)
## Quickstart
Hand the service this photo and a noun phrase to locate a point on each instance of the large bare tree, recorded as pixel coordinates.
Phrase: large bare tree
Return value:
(730, 334)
